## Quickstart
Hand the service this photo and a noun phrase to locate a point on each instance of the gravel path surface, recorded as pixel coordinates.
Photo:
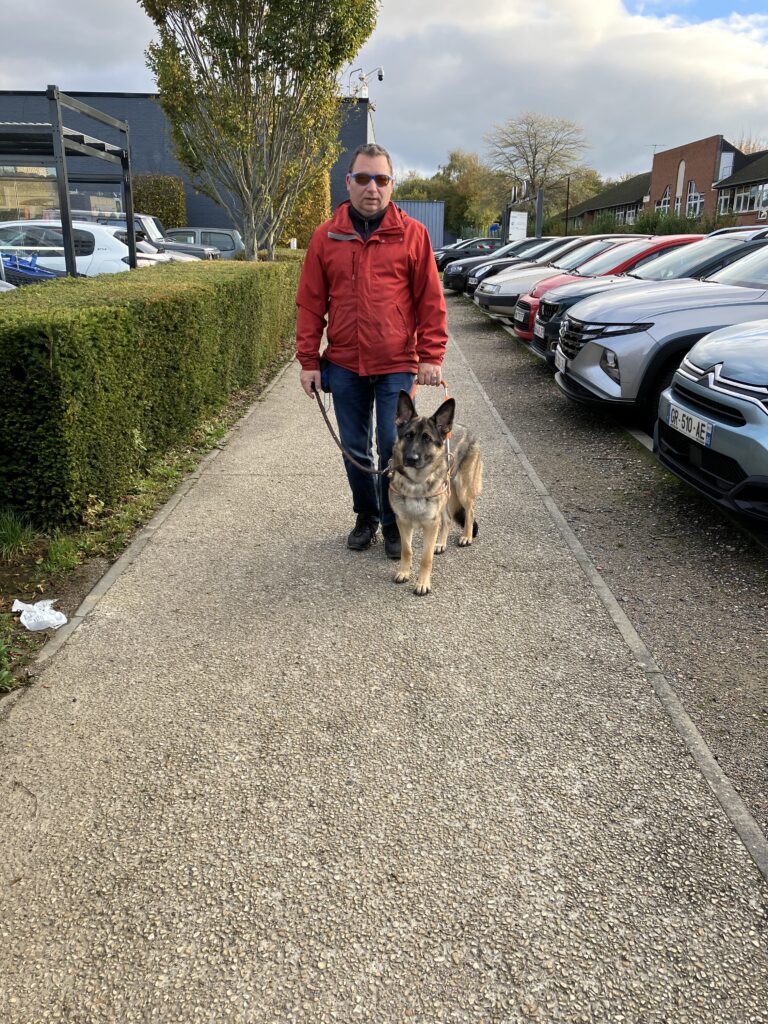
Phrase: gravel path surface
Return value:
(693, 584)
(262, 783)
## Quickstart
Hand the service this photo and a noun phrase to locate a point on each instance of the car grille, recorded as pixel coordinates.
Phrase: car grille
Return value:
(547, 310)
(708, 405)
(574, 335)
(715, 473)
(524, 308)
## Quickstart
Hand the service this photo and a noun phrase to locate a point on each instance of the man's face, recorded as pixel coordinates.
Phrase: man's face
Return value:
(371, 199)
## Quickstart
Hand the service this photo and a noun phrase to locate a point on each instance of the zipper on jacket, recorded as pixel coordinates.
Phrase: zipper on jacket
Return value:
(354, 254)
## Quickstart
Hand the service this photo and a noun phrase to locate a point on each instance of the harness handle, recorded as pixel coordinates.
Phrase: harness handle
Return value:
(444, 385)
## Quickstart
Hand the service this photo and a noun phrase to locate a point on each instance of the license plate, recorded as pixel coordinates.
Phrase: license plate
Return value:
(560, 360)
(519, 315)
(538, 330)
(691, 426)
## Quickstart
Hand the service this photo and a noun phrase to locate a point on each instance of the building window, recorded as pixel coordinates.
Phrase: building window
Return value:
(751, 197)
(619, 214)
(694, 206)
(726, 166)
(663, 204)
(678, 204)
(631, 213)
(724, 201)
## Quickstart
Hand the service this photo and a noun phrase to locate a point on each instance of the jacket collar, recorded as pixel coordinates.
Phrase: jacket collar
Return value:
(392, 221)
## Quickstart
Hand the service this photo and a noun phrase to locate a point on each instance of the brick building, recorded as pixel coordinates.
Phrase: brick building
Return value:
(683, 178)
(706, 178)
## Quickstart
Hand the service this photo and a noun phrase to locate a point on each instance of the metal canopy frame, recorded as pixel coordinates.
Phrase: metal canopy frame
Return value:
(51, 143)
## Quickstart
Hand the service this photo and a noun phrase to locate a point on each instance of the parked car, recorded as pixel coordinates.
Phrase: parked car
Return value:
(498, 297)
(472, 247)
(151, 229)
(712, 428)
(696, 261)
(616, 260)
(227, 240)
(620, 351)
(496, 264)
(97, 250)
(756, 230)
(456, 272)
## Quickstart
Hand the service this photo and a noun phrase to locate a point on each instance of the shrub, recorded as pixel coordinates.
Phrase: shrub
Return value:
(161, 196)
(312, 208)
(103, 374)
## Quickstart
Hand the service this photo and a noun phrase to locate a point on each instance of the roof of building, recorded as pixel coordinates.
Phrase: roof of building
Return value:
(756, 169)
(624, 193)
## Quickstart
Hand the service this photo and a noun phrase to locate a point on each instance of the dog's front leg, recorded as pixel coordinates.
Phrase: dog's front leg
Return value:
(424, 579)
(406, 550)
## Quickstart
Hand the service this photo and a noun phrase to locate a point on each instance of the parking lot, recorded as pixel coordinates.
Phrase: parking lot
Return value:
(694, 584)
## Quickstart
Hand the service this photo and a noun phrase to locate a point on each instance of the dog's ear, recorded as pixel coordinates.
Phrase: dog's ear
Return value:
(406, 410)
(443, 418)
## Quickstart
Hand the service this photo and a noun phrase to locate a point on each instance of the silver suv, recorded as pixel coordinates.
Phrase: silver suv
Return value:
(712, 429)
(621, 350)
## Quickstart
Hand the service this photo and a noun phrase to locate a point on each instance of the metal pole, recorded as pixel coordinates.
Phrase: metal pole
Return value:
(62, 183)
(567, 200)
(539, 211)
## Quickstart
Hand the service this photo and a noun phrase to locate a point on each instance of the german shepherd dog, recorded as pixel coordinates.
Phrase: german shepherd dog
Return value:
(425, 490)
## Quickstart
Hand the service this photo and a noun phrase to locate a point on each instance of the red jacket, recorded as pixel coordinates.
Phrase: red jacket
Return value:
(382, 299)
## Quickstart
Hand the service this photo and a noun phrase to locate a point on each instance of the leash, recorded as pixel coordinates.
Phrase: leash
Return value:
(359, 465)
(342, 449)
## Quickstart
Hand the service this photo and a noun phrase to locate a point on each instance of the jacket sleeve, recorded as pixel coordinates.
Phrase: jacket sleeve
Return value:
(312, 302)
(429, 303)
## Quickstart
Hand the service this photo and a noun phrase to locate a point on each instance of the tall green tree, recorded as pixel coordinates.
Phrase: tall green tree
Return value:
(250, 90)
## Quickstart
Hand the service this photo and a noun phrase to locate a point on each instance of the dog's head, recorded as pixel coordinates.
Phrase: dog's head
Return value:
(420, 439)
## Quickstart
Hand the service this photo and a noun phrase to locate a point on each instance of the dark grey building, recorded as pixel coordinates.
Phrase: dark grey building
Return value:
(151, 145)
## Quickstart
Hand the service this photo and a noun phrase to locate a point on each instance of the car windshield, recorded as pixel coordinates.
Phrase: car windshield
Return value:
(606, 261)
(682, 262)
(751, 272)
(582, 253)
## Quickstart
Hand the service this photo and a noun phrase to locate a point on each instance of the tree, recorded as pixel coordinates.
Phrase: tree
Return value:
(250, 90)
(539, 152)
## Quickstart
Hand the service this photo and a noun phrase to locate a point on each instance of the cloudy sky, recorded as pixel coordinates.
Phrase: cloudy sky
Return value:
(635, 74)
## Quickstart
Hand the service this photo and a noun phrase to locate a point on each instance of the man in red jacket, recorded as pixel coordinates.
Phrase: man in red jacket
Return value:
(370, 280)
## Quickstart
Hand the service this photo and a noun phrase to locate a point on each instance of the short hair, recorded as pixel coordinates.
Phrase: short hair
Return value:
(370, 149)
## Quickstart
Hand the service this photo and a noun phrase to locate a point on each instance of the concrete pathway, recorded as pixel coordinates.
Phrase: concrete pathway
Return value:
(262, 783)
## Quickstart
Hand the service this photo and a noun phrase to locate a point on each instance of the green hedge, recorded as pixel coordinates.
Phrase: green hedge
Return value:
(102, 374)
(161, 196)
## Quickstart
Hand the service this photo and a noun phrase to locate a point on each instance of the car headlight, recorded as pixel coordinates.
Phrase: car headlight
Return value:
(454, 268)
(612, 330)
(491, 289)
(609, 364)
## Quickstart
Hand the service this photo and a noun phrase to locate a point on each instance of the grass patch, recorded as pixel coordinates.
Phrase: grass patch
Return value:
(16, 535)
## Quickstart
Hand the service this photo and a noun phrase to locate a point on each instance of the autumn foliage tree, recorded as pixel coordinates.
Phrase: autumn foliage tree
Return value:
(250, 90)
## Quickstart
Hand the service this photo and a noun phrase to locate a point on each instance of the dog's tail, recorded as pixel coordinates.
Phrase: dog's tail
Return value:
(458, 517)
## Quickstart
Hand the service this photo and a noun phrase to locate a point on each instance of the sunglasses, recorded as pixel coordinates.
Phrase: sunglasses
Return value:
(382, 180)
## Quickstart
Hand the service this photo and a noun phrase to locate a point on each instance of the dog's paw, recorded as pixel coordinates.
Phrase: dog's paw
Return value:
(439, 549)
(464, 542)
(422, 589)
(401, 577)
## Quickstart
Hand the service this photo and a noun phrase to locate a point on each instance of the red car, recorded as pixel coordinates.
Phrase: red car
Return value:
(619, 259)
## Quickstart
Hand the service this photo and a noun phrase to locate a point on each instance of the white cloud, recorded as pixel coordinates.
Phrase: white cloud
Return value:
(454, 69)
(630, 80)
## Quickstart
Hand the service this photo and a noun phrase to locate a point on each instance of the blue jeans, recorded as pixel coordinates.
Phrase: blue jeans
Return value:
(353, 402)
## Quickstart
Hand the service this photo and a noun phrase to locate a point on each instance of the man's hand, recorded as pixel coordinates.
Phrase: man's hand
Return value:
(429, 374)
(307, 379)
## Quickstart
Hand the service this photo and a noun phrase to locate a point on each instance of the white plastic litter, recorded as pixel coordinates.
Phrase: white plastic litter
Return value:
(40, 615)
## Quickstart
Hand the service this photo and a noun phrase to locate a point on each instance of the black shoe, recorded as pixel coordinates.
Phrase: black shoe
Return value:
(364, 533)
(391, 540)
